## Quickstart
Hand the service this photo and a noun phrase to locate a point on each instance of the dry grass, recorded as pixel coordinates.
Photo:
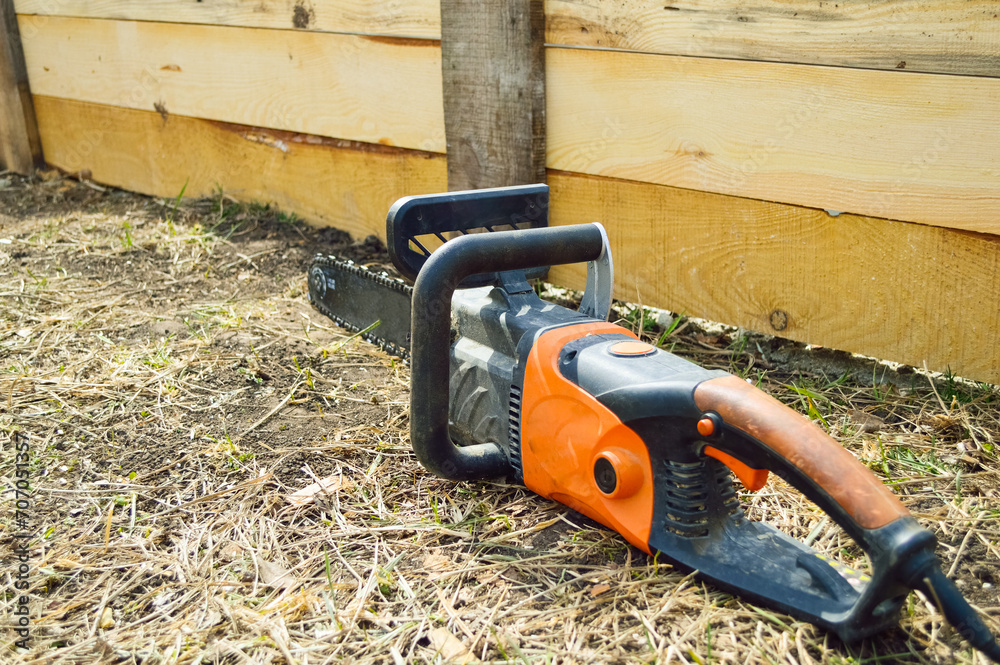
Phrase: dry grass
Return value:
(175, 389)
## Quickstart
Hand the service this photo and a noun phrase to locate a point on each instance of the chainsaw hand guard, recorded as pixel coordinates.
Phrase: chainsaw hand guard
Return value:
(415, 222)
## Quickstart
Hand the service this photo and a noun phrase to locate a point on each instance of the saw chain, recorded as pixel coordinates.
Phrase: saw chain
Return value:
(363, 301)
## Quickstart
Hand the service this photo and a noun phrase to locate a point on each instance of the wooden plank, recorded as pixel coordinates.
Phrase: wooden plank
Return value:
(20, 149)
(945, 36)
(894, 290)
(373, 89)
(339, 183)
(906, 292)
(412, 18)
(493, 61)
(899, 145)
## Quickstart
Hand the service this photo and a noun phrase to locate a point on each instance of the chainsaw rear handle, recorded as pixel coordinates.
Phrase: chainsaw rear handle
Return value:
(621, 432)
(753, 431)
(430, 342)
(759, 431)
(764, 433)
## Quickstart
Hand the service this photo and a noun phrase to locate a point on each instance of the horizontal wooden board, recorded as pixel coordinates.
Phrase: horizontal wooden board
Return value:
(338, 183)
(408, 18)
(946, 36)
(372, 89)
(908, 146)
(904, 292)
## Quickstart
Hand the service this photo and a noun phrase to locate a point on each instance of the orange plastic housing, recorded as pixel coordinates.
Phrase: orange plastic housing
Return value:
(565, 429)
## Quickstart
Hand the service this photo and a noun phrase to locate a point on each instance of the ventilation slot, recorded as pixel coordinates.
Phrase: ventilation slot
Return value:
(514, 438)
(689, 490)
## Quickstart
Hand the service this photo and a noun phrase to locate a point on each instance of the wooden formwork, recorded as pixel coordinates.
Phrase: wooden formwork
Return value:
(825, 172)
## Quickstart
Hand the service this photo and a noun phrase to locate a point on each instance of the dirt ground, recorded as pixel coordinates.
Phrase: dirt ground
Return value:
(173, 389)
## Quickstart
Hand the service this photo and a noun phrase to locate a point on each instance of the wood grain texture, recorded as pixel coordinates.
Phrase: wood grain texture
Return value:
(20, 150)
(493, 61)
(899, 145)
(946, 36)
(908, 146)
(373, 89)
(409, 18)
(338, 183)
(905, 292)
(894, 290)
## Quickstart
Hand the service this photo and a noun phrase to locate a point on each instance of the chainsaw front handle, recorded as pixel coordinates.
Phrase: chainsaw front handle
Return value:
(435, 285)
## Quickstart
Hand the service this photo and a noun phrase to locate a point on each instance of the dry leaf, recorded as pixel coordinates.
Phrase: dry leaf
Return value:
(487, 576)
(307, 494)
(866, 422)
(356, 610)
(107, 619)
(598, 589)
(275, 576)
(230, 552)
(437, 564)
(710, 340)
(212, 617)
(466, 595)
(968, 445)
(450, 647)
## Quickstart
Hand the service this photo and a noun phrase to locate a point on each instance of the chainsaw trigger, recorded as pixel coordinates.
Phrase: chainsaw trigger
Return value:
(752, 479)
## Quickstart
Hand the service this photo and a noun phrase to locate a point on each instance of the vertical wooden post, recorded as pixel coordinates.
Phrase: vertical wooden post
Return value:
(20, 147)
(493, 61)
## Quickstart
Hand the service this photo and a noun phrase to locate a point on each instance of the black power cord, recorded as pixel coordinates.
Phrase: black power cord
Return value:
(927, 576)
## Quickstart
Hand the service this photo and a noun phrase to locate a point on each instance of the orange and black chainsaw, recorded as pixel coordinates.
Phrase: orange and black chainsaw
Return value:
(581, 411)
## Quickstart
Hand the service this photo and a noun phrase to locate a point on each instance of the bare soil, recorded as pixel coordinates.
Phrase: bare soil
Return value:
(174, 388)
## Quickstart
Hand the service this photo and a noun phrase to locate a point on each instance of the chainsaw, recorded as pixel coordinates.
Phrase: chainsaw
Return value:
(581, 411)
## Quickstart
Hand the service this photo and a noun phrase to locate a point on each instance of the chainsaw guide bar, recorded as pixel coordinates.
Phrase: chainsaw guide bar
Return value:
(357, 299)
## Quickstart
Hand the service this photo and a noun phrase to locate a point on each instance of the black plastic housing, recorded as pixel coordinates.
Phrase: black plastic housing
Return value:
(440, 215)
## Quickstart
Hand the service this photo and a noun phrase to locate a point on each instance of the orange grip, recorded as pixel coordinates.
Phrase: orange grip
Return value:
(807, 447)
